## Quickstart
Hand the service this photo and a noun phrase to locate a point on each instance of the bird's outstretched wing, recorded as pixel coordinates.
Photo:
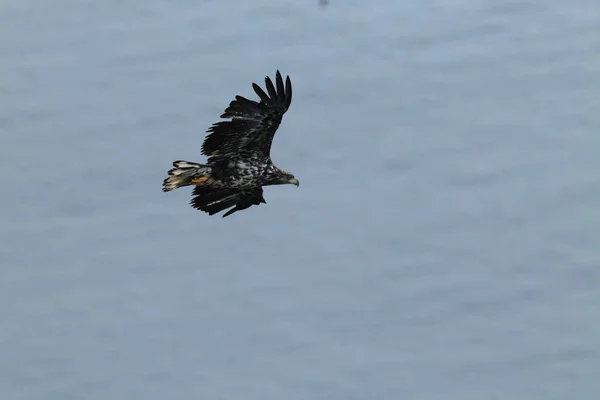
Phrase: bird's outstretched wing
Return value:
(213, 201)
(253, 124)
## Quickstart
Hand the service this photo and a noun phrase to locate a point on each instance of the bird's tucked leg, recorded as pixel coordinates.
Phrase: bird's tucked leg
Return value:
(202, 181)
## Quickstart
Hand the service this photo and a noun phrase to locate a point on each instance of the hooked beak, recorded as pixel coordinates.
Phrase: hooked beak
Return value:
(294, 181)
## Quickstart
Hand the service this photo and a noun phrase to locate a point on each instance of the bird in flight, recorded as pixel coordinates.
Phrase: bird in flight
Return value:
(238, 150)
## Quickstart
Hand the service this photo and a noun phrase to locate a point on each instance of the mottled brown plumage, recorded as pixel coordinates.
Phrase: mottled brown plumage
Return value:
(239, 162)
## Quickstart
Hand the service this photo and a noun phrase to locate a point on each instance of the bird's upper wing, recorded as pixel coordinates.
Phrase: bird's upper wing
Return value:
(213, 201)
(253, 124)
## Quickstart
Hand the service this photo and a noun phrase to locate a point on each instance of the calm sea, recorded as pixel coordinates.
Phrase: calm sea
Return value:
(444, 242)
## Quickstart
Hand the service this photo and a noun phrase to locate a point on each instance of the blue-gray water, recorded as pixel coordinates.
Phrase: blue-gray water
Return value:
(443, 243)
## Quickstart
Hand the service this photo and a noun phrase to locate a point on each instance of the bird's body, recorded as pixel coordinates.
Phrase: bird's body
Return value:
(239, 162)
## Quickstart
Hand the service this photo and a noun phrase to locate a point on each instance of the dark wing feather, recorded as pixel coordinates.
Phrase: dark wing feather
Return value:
(213, 201)
(252, 125)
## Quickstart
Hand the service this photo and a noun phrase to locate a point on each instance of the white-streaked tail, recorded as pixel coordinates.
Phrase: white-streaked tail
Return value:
(183, 173)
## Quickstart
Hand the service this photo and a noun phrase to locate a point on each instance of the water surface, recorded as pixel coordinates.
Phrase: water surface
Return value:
(443, 242)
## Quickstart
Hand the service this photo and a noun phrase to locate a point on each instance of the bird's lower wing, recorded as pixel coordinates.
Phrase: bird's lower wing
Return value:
(213, 201)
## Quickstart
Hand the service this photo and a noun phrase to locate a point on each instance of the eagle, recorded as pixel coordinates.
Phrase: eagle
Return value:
(238, 154)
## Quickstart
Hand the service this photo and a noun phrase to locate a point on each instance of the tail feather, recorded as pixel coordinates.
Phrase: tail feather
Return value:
(183, 173)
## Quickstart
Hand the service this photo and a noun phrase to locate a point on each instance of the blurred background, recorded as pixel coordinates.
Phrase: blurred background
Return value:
(444, 242)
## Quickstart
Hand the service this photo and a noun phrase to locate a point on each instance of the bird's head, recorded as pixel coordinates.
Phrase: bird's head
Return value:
(287, 178)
